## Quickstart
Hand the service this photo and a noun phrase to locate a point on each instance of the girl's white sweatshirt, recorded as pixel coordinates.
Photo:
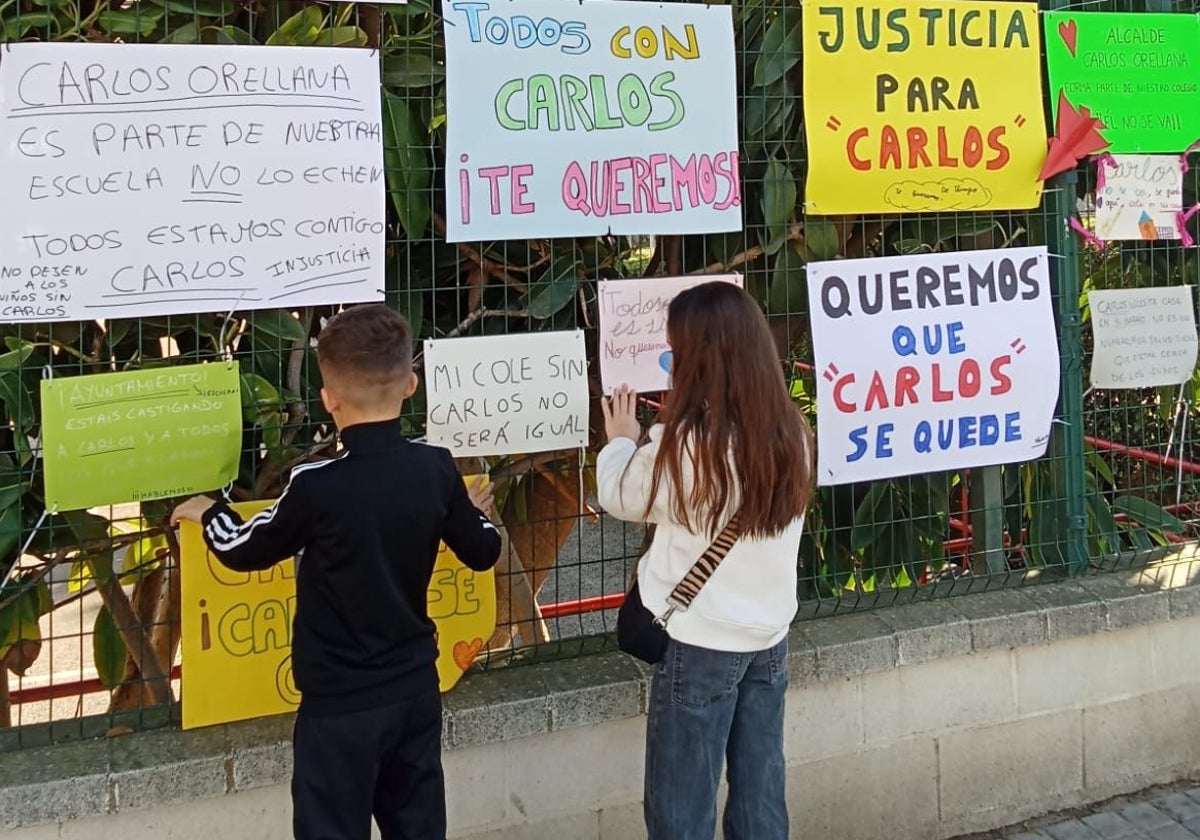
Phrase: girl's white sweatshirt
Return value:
(749, 601)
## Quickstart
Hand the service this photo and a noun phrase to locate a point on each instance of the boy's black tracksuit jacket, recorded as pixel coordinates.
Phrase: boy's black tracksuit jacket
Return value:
(365, 528)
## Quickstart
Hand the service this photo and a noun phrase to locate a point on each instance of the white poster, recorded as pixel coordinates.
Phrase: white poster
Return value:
(507, 394)
(152, 179)
(932, 362)
(633, 329)
(1140, 197)
(581, 119)
(1142, 338)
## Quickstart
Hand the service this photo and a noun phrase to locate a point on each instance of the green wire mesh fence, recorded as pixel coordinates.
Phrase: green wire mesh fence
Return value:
(1119, 474)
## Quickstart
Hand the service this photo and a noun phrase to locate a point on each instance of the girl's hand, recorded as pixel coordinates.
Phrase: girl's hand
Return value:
(482, 496)
(193, 509)
(620, 415)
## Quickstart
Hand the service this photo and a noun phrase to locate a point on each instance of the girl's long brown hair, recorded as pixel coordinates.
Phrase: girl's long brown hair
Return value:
(729, 412)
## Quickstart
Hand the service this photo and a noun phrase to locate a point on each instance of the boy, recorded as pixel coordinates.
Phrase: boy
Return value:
(367, 739)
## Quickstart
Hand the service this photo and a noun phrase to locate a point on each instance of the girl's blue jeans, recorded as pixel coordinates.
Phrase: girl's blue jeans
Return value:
(708, 709)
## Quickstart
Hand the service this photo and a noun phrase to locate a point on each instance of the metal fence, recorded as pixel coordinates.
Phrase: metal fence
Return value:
(91, 606)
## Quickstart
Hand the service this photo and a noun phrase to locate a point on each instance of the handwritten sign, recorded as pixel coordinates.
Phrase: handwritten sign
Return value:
(462, 603)
(140, 435)
(927, 106)
(1143, 338)
(237, 629)
(932, 362)
(591, 118)
(633, 329)
(1137, 72)
(1141, 197)
(507, 394)
(147, 179)
(236, 636)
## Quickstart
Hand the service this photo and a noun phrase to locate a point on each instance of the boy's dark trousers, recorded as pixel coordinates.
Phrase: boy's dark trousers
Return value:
(384, 762)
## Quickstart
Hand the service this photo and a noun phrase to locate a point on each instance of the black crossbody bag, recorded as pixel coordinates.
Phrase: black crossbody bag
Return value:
(642, 634)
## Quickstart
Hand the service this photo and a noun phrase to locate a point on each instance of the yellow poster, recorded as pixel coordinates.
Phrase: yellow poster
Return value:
(922, 106)
(237, 629)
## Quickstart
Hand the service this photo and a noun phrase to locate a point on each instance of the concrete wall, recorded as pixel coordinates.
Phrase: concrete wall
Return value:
(921, 721)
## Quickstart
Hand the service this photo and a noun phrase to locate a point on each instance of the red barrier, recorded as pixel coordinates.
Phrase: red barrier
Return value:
(60, 691)
(1143, 455)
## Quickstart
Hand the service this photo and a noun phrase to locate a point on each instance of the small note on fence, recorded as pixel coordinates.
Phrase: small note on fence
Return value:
(1142, 338)
(140, 435)
(507, 394)
(633, 329)
(1141, 197)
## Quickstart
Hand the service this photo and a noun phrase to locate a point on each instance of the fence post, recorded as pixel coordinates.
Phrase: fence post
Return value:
(1066, 262)
(987, 520)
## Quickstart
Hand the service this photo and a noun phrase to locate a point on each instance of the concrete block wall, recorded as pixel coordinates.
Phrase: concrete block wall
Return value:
(922, 721)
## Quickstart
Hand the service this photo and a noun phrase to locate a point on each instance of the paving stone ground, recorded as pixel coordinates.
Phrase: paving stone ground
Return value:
(1171, 813)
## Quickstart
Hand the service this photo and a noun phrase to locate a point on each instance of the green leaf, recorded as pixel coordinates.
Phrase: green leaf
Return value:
(11, 485)
(258, 393)
(189, 33)
(410, 303)
(301, 29)
(22, 621)
(406, 162)
(139, 21)
(412, 69)
(555, 288)
(279, 323)
(821, 238)
(781, 47)
(1141, 540)
(144, 554)
(778, 203)
(87, 527)
(788, 292)
(204, 8)
(872, 517)
(18, 404)
(1100, 466)
(108, 650)
(1148, 514)
(13, 360)
(766, 114)
(271, 424)
(1103, 522)
(342, 36)
(234, 35)
(79, 577)
(16, 27)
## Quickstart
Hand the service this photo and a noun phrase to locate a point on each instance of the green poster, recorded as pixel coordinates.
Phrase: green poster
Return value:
(1140, 73)
(140, 435)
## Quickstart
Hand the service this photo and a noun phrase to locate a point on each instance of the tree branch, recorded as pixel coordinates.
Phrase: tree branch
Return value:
(795, 234)
(490, 266)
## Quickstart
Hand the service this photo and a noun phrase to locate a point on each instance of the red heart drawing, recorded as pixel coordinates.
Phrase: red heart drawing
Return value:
(1069, 32)
(464, 652)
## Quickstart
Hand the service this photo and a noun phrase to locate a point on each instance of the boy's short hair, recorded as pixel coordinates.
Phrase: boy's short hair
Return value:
(366, 353)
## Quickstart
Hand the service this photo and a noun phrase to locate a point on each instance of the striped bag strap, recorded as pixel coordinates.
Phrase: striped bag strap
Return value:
(687, 589)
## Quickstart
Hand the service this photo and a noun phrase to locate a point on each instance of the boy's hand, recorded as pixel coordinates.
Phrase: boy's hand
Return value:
(620, 415)
(193, 509)
(483, 496)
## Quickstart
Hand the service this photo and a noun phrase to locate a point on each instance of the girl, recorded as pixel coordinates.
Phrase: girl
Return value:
(729, 441)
